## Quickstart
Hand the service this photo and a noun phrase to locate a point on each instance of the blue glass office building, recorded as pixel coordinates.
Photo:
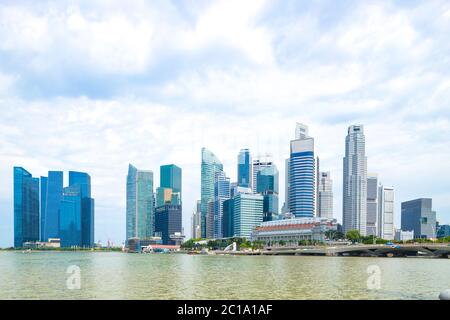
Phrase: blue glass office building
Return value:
(140, 204)
(171, 177)
(26, 207)
(302, 177)
(76, 212)
(210, 166)
(245, 169)
(268, 186)
(51, 197)
(168, 222)
(71, 217)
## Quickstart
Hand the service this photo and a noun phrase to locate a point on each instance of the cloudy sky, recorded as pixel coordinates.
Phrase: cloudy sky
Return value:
(95, 85)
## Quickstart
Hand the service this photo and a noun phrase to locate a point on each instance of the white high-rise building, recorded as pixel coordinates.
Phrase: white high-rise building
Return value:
(386, 213)
(355, 181)
(325, 196)
(197, 221)
(372, 205)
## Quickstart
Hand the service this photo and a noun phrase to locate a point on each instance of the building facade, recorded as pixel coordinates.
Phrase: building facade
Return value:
(268, 187)
(355, 181)
(443, 231)
(386, 198)
(244, 169)
(140, 204)
(77, 212)
(51, 197)
(372, 205)
(247, 214)
(417, 215)
(325, 196)
(401, 235)
(171, 178)
(168, 223)
(294, 230)
(71, 217)
(258, 166)
(209, 167)
(26, 207)
(302, 176)
(197, 221)
(221, 193)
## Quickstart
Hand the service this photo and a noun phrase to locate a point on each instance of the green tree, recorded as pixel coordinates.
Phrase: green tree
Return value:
(353, 235)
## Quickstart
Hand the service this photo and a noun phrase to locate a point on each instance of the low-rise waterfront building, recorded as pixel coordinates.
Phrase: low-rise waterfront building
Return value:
(294, 230)
(401, 235)
(418, 215)
(443, 231)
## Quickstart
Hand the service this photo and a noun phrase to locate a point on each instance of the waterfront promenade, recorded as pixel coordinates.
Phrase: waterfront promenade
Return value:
(376, 250)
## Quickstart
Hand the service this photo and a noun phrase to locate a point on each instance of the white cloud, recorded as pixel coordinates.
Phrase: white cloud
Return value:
(224, 75)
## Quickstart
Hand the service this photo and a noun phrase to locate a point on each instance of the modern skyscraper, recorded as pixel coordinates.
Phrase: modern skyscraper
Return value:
(417, 215)
(245, 169)
(168, 222)
(325, 196)
(355, 181)
(302, 181)
(258, 166)
(83, 180)
(247, 213)
(287, 188)
(386, 228)
(71, 217)
(51, 197)
(210, 220)
(140, 204)
(210, 166)
(171, 177)
(372, 205)
(76, 210)
(43, 207)
(267, 182)
(221, 193)
(197, 221)
(26, 207)
(228, 218)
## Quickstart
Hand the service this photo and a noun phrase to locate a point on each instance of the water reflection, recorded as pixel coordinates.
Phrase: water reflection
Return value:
(42, 275)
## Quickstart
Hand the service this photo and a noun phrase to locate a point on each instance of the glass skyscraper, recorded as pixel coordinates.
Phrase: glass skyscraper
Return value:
(170, 177)
(76, 209)
(71, 217)
(51, 197)
(355, 181)
(258, 166)
(221, 193)
(267, 186)
(244, 169)
(140, 204)
(168, 222)
(302, 172)
(210, 166)
(26, 207)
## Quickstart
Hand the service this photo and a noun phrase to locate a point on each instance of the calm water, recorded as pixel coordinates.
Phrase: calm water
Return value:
(42, 275)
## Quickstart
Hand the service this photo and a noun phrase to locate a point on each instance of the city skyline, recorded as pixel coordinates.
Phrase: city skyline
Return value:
(114, 91)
